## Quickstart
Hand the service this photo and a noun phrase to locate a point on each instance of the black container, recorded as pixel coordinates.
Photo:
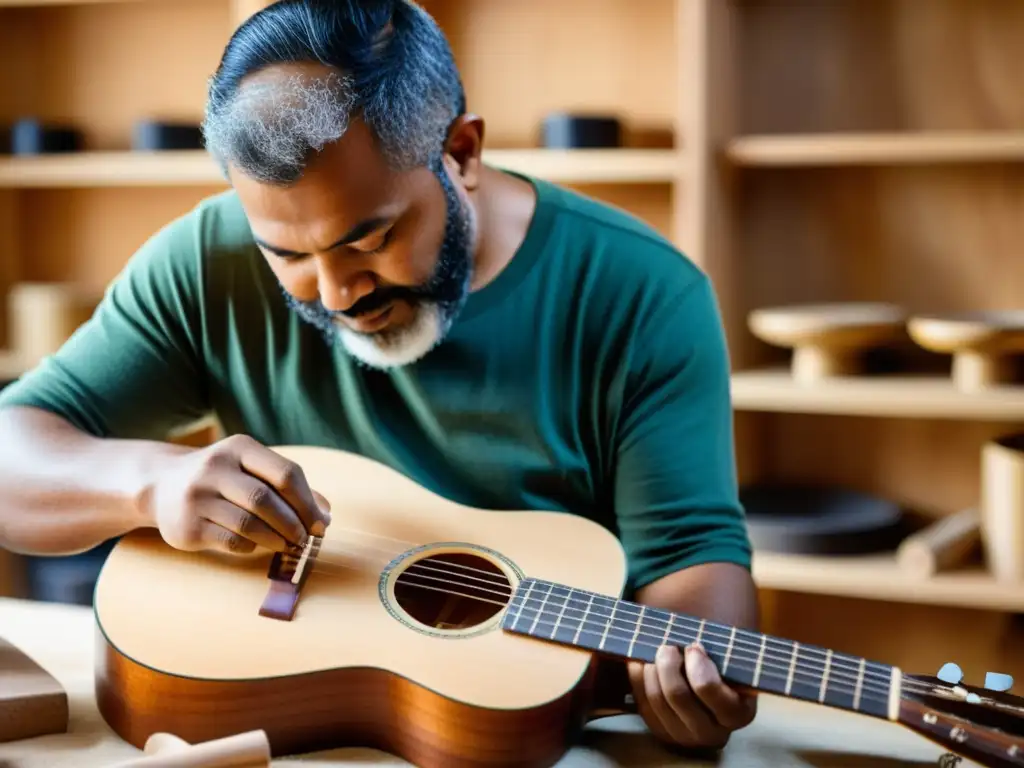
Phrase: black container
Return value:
(151, 135)
(32, 137)
(568, 131)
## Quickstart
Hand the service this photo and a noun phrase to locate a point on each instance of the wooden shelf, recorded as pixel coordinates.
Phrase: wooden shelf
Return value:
(177, 168)
(887, 396)
(878, 577)
(833, 149)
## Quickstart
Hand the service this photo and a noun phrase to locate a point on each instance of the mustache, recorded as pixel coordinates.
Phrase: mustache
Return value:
(381, 297)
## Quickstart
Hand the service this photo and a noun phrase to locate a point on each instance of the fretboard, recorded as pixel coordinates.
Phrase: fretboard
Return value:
(628, 630)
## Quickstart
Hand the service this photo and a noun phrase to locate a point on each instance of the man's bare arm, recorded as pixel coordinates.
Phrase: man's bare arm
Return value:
(65, 491)
(721, 592)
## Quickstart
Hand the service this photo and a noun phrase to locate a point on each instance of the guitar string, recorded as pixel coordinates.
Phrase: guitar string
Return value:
(867, 685)
(678, 620)
(682, 620)
(924, 687)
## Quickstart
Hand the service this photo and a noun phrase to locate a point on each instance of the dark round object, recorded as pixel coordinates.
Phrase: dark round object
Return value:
(151, 135)
(567, 131)
(33, 137)
(812, 520)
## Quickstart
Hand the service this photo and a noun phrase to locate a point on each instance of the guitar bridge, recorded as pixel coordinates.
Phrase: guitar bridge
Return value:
(287, 575)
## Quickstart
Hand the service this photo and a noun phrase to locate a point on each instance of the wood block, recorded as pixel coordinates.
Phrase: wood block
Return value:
(32, 701)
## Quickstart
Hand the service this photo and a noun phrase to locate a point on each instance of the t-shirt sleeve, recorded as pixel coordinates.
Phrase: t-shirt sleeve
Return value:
(134, 369)
(676, 496)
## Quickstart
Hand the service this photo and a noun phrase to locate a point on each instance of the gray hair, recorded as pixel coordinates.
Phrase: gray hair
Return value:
(390, 66)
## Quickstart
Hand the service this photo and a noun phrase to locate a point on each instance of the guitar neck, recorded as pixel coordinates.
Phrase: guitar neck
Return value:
(627, 630)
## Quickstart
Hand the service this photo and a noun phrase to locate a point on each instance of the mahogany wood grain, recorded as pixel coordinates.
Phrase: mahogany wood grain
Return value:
(341, 707)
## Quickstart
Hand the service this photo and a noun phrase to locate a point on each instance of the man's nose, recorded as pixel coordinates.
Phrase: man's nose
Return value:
(341, 289)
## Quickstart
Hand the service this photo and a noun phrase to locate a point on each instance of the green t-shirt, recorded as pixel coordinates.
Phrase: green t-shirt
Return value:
(591, 376)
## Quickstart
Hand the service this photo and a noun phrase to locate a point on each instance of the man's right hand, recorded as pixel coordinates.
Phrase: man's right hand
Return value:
(233, 496)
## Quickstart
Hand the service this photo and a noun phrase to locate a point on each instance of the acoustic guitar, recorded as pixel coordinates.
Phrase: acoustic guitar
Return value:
(445, 635)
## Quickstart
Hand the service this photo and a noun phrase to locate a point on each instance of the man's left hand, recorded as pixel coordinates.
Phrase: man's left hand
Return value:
(685, 702)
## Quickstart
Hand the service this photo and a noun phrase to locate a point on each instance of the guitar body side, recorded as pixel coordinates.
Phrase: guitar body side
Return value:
(367, 660)
(338, 708)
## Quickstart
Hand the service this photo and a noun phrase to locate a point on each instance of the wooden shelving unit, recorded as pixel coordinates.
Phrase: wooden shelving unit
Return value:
(849, 150)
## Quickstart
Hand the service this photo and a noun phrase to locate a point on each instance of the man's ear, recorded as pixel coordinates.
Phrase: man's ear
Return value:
(465, 144)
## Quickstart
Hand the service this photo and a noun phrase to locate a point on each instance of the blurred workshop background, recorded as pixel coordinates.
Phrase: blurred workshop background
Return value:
(849, 172)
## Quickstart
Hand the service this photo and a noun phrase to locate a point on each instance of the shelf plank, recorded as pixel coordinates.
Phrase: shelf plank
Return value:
(886, 396)
(878, 577)
(177, 168)
(835, 149)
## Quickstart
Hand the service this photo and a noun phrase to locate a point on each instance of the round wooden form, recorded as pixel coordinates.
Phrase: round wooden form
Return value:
(981, 343)
(828, 339)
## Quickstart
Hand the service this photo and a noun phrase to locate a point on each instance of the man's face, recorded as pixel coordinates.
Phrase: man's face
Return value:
(381, 259)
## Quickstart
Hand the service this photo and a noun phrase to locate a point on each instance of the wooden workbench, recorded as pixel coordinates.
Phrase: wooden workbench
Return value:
(785, 734)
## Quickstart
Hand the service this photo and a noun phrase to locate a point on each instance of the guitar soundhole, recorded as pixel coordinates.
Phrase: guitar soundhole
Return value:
(452, 590)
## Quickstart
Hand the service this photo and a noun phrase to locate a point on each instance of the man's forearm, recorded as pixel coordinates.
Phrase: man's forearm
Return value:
(721, 592)
(65, 491)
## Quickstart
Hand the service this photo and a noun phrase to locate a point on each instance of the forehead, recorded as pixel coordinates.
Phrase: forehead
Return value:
(347, 181)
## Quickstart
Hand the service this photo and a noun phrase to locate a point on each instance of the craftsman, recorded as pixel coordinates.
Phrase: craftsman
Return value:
(368, 283)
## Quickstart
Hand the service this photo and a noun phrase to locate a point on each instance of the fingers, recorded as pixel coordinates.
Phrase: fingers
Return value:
(289, 481)
(213, 536)
(684, 700)
(674, 701)
(637, 681)
(234, 519)
(251, 495)
(728, 707)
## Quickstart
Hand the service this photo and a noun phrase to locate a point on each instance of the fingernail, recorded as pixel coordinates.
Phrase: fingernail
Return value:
(317, 529)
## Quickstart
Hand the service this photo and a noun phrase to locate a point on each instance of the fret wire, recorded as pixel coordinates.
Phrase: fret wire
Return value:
(636, 632)
(590, 601)
(728, 650)
(859, 684)
(607, 627)
(874, 693)
(541, 609)
(824, 676)
(522, 605)
(558, 619)
(760, 659)
(792, 667)
(806, 661)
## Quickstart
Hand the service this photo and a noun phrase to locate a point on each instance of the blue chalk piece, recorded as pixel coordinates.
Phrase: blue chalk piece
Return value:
(950, 673)
(997, 681)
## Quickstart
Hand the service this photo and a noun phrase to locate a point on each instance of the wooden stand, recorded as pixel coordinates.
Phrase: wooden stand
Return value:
(32, 702)
(981, 343)
(828, 340)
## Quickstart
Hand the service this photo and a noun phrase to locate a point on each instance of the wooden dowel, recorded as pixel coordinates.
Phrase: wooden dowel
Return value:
(941, 545)
(244, 750)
